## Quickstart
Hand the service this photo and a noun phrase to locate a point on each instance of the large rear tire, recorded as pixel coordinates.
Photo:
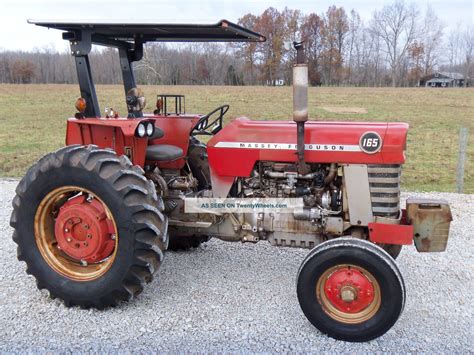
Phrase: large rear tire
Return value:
(89, 226)
(350, 289)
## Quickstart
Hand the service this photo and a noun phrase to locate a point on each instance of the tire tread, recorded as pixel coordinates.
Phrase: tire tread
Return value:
(138, 195)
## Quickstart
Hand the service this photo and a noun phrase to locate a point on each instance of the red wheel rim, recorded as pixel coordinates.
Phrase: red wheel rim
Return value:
(76, 233)
(83, 230)
(348, 293)
(349, 290)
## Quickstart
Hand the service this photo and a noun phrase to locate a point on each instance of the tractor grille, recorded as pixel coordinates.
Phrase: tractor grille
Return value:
(384, 183)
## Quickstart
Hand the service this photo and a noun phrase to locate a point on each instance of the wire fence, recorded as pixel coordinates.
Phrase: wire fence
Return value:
(439, 160)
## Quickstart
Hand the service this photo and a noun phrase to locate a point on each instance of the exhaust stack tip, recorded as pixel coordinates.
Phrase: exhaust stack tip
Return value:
(300, 104)
(300, 85)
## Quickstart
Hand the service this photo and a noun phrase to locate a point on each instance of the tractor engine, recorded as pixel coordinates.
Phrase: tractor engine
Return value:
(321, 217)
(320, 188)
(325, 192)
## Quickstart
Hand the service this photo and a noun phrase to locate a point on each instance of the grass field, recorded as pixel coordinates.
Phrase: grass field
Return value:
(32, 120)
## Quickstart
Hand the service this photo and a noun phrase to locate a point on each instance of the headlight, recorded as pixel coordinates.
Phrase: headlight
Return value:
(150, 129)
(141, 130)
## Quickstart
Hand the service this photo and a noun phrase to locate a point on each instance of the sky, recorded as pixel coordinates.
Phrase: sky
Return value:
(16, 34)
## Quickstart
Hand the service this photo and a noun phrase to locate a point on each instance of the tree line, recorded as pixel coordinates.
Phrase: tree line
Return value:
(396, 47)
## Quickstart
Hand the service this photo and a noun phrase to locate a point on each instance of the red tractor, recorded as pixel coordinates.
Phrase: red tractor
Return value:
(93, 220)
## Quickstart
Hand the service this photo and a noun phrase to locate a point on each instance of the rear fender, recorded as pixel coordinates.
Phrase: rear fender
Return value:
(116, 134)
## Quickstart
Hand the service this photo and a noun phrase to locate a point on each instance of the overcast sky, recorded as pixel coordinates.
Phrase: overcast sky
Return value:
(17, 34)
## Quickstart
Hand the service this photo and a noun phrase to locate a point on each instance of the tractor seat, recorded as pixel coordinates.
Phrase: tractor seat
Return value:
(163, 152)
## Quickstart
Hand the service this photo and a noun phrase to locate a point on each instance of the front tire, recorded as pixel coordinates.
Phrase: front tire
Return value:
(89, 226)
(350, 289)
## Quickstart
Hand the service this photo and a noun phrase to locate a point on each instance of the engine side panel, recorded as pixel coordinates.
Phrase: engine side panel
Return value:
(235, 150)
(356, 182)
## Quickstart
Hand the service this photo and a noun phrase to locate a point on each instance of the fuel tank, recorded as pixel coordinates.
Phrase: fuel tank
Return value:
(241, 143)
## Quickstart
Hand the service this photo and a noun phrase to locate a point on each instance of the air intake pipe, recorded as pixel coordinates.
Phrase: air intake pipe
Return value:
(300, 103)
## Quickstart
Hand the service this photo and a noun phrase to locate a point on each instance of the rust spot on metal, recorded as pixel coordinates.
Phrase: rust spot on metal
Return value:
(426, 243)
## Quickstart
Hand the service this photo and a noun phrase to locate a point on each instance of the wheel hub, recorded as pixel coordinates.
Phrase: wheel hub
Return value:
(349, 290)
(83, 230)
(348, 293)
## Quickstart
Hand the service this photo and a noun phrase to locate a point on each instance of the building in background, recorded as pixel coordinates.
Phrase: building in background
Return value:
(443, 79)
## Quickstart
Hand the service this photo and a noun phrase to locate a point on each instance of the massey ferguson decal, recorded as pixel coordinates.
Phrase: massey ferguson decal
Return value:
(370, 142)
(288, 146)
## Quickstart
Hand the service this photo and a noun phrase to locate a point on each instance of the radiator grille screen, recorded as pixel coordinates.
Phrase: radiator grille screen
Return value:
(384, 183)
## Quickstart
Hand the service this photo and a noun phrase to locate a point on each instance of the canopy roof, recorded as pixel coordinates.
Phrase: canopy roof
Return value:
(109, 32)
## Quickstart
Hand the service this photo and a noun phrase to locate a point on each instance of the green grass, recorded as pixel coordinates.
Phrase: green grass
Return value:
(32, 120)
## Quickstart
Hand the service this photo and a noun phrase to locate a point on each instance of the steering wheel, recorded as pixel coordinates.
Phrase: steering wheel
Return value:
(206, 121)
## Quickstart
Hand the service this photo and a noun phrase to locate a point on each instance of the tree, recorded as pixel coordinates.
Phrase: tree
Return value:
(396, 26)
(148, 66)
(232, 77)
(334, 33)
(416, 53)
(432, 33)
(453, 47)
(202, 70)
(23, 71)
(248, 50)
(272, 25)
(355, 26)
(292, 33)
(311, 28)
(468, 50)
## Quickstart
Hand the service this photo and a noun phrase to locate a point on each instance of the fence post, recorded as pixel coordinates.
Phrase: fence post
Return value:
(463, 136)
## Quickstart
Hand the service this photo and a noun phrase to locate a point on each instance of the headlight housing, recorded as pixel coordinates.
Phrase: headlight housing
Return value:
(150, 129)
(141, 130)
(145, 129)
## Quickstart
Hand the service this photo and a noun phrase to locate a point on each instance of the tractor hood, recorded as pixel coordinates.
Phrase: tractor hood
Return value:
(239, 145)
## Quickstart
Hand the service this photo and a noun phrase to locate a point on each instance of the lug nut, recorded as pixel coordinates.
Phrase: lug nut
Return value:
(66, 230)
(113, 236)
(69, 239)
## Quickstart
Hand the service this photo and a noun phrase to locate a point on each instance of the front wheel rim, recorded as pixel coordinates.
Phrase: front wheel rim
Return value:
(93, 251)
(348, 294)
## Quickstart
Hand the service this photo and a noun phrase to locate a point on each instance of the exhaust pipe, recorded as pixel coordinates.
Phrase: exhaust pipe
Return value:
(300, 103)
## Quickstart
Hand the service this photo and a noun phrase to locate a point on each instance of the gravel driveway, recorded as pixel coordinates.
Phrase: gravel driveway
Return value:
(239, 297)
